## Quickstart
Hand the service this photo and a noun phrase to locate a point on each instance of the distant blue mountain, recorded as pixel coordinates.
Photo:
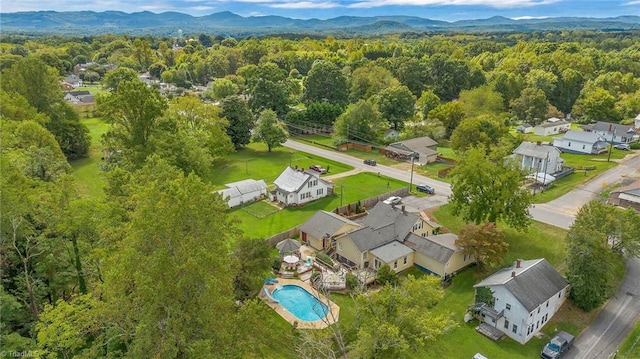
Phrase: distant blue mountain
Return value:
(227, 23)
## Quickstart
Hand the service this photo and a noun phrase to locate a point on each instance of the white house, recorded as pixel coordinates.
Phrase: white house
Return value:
(581, 142)
(74, 80)
(79, 97)
(535, 157)
(524, 128)
(244, 191)
(552, 128)
(614, 132)
(525, 297)
(295, 187)
(636, 122)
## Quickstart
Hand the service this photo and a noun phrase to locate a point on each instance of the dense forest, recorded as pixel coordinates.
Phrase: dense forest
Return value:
(139, 272)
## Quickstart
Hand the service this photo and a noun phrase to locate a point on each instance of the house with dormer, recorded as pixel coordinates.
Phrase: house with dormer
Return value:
(524, 297)
(295, 187)
(393, 236)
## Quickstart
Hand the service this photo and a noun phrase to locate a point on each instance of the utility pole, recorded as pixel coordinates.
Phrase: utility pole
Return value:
(341, 193)
(611, 143)
(413, 156)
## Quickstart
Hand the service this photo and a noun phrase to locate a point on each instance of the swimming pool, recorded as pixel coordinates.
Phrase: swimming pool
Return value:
(297, 301)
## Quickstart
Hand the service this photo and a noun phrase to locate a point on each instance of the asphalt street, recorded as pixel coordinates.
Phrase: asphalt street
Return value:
(617, 318)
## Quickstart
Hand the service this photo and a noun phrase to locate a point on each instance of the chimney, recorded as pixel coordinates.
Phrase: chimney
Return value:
(513, 274)
(518, 262)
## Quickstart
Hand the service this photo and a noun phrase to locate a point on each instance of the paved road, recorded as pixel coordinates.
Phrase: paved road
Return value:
(616, 319)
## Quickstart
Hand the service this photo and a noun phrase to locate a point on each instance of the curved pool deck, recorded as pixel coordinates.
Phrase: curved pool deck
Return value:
(331, 318)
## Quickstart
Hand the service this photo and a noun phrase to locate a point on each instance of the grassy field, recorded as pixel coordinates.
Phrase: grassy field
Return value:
(86, 171)
(347, 190)
(254, 161)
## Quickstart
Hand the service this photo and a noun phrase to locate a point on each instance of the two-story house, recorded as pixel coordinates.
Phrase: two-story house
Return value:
(295, 187)
(525, 297)
(538, 158)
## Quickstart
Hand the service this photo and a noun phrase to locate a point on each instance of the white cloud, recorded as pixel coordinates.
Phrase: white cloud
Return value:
(490, 3)
(631, 3)
(305, 5)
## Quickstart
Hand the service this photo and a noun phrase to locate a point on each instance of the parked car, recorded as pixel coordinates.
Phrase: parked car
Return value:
(370, 162)
(393, 200)
(557, 346)
(425, 188)
(318, 168)
(622, 146)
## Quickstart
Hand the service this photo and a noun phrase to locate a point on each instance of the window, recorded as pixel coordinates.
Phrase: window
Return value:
(506, 324)
(340, 246)
(537, 324)
(538, 310)
(405, 260)
(584, 146)
(376, 263)
(569, 144)
(320, 192)
(515, 329)
(508, 306)
(395, 265)
(547, 304)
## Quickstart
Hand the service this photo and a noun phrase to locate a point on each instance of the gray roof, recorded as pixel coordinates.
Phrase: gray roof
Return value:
(323, 223)
(583, 136)
(607, 126)
(417, 143)
(440, 247)
(229, 192)
(553, 124)
(392, 251)
(533, 284)
(531, 149)
(291, 180)
(383, 224)
(248, 185)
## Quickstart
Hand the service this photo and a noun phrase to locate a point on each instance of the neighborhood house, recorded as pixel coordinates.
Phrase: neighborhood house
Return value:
(387, 235)
(79, 97)
(627, 196)
(581, 142)
(295, 187)
(238, 193)
(552, 127)
(538, 158)
(614, 132)
(422, 149)
(525, 297)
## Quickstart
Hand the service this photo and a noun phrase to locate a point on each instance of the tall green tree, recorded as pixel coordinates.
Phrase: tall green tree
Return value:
(326, 83)
(484, 131)
(113, 78)
(159, 290)
(595, 104)
(269, 130)
(396, 320)
(396, 104)
(240, 118)
(531, 107)
(485, 189)
(449, 114)
(134, 111)
(369, 80)
(360, 122)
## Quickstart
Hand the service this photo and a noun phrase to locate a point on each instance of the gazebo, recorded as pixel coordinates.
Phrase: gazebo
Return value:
(288, 246)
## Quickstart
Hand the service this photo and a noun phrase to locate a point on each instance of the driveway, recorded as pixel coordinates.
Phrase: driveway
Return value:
(617, 318)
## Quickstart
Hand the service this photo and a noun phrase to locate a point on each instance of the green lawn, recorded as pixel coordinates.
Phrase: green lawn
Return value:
(94, 89)
(630, 348)
(254, 161)
(86, 171)
(347, 190)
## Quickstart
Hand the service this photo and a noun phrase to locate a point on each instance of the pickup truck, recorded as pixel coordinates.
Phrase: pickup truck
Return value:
(557, 346)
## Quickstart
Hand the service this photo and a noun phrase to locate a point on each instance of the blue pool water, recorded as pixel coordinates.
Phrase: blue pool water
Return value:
(300, 303)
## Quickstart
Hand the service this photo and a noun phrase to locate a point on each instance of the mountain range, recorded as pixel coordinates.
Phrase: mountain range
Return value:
(230, 24)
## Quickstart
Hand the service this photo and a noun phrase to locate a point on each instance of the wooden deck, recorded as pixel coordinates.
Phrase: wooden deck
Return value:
(489, 331)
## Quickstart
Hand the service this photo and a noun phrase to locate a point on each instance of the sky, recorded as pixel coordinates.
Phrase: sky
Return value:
(447, 10)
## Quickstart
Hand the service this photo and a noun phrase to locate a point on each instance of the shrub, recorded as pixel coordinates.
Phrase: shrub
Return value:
(352, 281)
(386, 275)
